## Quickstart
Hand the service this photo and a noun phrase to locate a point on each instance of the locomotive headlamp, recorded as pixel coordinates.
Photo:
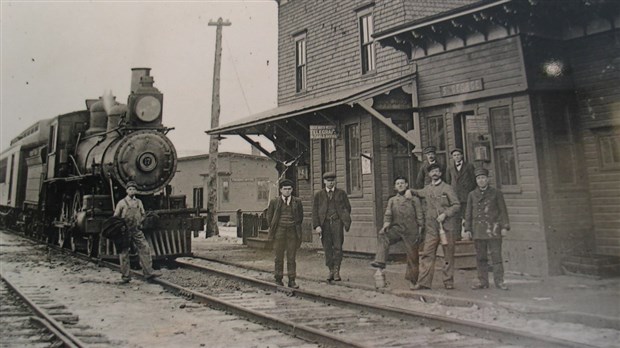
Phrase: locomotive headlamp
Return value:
(148, 108)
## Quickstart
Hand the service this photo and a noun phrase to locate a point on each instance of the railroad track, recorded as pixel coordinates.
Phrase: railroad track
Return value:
(30, 318)
(335, 321)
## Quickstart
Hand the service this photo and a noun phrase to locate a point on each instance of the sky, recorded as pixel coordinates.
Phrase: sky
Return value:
(57, 54)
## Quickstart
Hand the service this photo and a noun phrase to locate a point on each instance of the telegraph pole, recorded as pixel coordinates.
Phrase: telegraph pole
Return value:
(212, 228)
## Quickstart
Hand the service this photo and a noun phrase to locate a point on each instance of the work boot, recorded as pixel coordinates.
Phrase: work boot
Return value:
(377, 264)
(279, 281)
(292, 284)
(330, 275)
(479, 286)
(502, 286)
(337, 273)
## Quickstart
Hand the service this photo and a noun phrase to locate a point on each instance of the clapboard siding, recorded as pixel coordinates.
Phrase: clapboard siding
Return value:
(598, 94)
(332, 38)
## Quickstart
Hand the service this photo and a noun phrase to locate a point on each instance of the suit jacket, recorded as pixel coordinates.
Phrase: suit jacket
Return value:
(486, 214)
(463, 181)
(439, 199)
(423, 179)
(273, 216)
(319, 208)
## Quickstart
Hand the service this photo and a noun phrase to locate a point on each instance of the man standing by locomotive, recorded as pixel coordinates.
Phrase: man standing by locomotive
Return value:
(460, 175)
(331, 213)
(285, 214)
(132, 211)
(442, 205)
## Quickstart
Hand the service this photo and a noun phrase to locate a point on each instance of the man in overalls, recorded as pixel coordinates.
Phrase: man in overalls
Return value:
(132, 211)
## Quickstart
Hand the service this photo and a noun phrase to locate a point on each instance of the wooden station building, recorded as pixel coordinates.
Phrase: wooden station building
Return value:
(528, 88)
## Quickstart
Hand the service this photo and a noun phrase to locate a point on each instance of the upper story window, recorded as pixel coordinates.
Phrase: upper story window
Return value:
(367, 43)
(300, 62)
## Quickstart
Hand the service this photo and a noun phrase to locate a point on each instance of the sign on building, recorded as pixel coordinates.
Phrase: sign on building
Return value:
(323, 132)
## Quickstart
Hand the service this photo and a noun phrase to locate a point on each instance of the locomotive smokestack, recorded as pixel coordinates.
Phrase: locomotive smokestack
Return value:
(139, 74)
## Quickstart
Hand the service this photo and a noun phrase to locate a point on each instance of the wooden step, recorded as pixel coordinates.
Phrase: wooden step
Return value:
(592, 265)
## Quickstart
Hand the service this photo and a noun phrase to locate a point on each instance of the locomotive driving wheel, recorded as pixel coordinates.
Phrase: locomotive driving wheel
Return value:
(77, 242)
(63, 218)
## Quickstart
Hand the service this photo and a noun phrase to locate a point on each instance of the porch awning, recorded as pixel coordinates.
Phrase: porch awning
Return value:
(252, 124)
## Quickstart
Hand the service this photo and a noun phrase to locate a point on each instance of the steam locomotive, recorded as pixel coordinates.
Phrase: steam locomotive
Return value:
(61, 178)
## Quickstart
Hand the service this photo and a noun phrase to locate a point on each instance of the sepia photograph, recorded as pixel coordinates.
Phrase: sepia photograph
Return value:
(310, 173)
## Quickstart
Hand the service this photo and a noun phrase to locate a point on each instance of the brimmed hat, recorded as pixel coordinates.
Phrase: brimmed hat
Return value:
(131, 184)
(456, 149)
(481, 171)
(286, 182)
(329, 175)
(433, 166)
(429, 149)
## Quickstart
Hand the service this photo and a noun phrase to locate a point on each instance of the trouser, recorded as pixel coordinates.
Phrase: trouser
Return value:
(410, 239)
(136, 237)
(495, 247)
(427, 258)
(285, 241)
(332, 239)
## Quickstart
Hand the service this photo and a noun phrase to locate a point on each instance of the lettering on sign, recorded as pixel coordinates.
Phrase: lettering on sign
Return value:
(323, 132)
(242, 180)
(461, 87)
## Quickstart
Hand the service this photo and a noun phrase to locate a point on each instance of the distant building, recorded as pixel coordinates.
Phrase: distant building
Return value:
(244, 182)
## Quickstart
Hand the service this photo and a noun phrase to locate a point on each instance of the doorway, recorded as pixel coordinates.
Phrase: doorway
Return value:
(471, 133)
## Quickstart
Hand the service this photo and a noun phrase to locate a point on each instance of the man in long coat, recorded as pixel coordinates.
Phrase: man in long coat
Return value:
(331, 213)
(285, 214)
(460, 175)
(486, 218)
(430, 157)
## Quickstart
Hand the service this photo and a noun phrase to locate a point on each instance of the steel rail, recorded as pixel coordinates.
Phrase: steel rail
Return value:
(464, 327)
(57, 329)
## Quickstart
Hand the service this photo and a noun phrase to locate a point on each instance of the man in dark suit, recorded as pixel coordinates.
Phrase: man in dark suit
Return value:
(487, 217)
(430, 158)
(331, 212)
(285, 215)
(460, 175)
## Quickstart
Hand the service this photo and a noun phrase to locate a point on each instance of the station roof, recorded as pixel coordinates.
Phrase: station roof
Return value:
(306, 106)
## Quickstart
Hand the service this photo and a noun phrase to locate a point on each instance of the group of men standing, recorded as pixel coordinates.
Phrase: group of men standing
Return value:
(331, 216)
(465, 194)
(424, 217)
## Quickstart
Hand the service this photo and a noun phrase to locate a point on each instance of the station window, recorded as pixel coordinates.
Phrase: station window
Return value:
(437, 137)
(300, 62)
(609, 147)
(3, 169)
(354, 169)
(198, 197)
(367, 43)
(328, 155)
(504, 146)
(262, 185)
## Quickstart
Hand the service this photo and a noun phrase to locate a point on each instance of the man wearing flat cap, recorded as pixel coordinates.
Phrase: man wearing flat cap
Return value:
(430, 157)
(460, 175)
(486, 217)
(440, 210)
(132, 211)
(285, 214)
(331, 213)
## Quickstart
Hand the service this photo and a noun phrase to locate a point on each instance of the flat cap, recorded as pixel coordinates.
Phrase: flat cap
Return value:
(329, 175)
(481, 171)
(429, 149)
(286, 182)
(131, 184)
(433, 166)
(456, 149)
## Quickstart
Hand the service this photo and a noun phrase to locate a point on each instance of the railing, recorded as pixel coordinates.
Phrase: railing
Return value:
(249, 225)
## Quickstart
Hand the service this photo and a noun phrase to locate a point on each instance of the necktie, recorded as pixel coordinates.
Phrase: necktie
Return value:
(330, 194)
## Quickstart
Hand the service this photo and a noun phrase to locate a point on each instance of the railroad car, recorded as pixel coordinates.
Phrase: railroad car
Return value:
(61, 177)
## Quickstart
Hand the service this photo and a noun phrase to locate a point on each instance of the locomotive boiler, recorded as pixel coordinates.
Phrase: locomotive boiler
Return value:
(67, 173)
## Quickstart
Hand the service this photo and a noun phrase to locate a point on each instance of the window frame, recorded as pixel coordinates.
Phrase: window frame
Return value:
(368, 48)
(610, 133)
(301, 67)
(331, 145)
(353, 161)
(516, 187)
(441, 153)
(199, 189)
(258, 189)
